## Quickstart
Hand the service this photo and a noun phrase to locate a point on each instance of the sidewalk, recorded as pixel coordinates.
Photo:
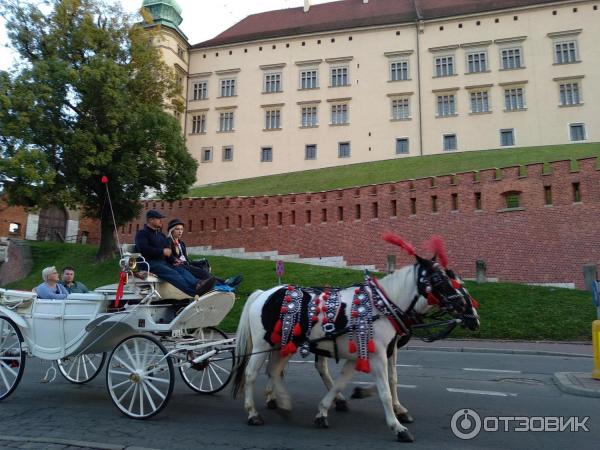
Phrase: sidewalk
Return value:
(575, 383)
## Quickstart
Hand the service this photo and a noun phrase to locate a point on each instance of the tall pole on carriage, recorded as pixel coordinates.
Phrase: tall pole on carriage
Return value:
(596, 330)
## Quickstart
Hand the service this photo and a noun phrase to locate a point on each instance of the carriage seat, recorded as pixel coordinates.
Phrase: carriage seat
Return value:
(19, 300)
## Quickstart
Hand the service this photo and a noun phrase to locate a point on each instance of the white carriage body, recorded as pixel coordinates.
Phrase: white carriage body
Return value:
(80, 324)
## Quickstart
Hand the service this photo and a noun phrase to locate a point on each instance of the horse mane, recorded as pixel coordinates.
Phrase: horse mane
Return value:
(436, 245)
(401, 286)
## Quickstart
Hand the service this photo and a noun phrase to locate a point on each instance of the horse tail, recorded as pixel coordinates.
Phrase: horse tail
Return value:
(243, 347)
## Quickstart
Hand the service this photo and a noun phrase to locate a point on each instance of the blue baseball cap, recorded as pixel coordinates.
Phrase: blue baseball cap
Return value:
(153, 214)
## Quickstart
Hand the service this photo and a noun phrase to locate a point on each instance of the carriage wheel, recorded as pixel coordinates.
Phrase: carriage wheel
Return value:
(82, 368)
(12, 357)
(140, 376)
(214, 373)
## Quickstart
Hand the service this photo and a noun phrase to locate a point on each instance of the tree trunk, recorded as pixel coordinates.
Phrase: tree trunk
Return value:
(108, 247)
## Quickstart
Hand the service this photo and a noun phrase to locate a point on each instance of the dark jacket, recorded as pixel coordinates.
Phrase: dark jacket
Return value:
(150, 243)
(174, 256)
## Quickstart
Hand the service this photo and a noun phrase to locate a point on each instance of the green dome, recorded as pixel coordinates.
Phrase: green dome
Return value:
(164, 12)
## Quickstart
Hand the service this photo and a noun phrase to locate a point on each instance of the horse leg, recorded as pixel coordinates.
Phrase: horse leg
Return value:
(338, 385)
(252, 369)
(323, 368)
(279, 394)
(269, 392)
(380, 372)
(399, 410)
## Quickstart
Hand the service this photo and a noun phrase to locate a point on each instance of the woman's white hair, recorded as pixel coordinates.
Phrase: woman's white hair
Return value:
(47, 272)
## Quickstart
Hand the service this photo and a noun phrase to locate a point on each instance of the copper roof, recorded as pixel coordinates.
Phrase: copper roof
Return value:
(344, 14)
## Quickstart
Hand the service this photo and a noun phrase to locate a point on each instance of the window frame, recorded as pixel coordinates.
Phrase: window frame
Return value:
(512, 134)
(405, 140)
(508, 98)
(226, 118)
(484, 101)
(272, 117)
(315, 115)
(349, 152)
(521, 58)
(440, 108)
(224, 89)
(583, 129)
(203, 92)
(306, 152)
(266, 150)
(203, 151)
(449, 135)
(450, 60)
(223, 153)
(345, 67)
(278, 82)
(575, 93)
(402, 70)
(300, 78)
(341, 109)
(395, 107)
(199, 125)
(486, 65)
(558, 59)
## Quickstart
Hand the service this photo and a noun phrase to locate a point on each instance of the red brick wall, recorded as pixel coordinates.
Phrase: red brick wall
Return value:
(12, 214)
(533, 243)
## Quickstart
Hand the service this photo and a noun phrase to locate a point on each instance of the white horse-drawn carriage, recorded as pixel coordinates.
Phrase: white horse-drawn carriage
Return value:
(151, 330)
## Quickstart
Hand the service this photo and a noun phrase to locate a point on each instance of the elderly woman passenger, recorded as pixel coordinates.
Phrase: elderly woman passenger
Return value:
(51, 288)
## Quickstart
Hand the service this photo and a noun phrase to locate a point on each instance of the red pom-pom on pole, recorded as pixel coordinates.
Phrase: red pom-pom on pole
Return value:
(297, 330)
(371, 346)
(104, 179)
(362, 365)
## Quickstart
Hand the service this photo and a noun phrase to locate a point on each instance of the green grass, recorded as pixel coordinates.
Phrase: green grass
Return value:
(395, 170)
(508, 311)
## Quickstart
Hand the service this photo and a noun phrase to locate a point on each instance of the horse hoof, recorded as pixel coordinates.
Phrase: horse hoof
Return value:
(405, 418)
(321, 422)
(359, 393)
(405, 436)
(255, 421)
(341, 405)
(272, 404)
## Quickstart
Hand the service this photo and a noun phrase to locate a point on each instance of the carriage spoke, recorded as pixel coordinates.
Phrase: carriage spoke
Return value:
(210, 367)
(141, 391)
(91, 362)
(160, 380)
(133, 397)
(78, 363)
(118, 385)
(227, 372)
(148, 396)
(10, 369)
(119, 372)
(129, 355)
(127, 366)
(4, 379)
(156, 390)
(126, 391)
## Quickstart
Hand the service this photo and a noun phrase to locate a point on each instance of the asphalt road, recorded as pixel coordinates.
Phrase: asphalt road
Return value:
(433, 385)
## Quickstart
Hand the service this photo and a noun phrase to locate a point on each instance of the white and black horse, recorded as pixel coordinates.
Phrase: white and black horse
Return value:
(359, 324)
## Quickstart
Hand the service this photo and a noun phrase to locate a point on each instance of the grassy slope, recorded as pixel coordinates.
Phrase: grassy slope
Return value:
(508, 311)
(395, 170)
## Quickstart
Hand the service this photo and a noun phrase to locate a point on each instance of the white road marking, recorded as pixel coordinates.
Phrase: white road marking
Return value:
(472, 369)
(404, 386)
(300, 362)
(410, 365)
(474, 391)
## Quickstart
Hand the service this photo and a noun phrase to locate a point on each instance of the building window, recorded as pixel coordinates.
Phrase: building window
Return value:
(228, 87)
(401, 146)
(446, 105)
(569, 93)
(565, 52)
(399, 70)
(450, 142)
(511, 58)
(273, 119)
(310, 151)
(226, 121)
(401, 109)
(577, 132)
(228, 153)
(480, 102)
(273, 82)
(200, 90)
(477, 62)
(507, 137)
(514, 99)
(344, 150)
(309, 117)
(308, 79)
(444, 66)
(339, 76)
(513, 199)
(199, 124)
(339, 114)
(206, 154)
(266, 154)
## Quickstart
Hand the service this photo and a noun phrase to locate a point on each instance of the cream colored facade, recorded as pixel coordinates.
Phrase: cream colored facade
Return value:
(530, 35)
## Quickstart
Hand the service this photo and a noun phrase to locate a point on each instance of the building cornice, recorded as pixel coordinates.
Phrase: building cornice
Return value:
(476, 44)
(200, 75)
(339, 100)
(574, 77)
(510, 40)
(272, 66)
(309, 62)
(398, 53)
(443, 48)
(339, 59)
(228, 71)
(479, 86)
(512, 83)
(450, 89)
(557, 34)
(308, 102)
(400, 94)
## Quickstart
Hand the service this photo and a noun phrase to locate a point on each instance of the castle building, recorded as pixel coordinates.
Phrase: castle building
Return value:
(354, 81)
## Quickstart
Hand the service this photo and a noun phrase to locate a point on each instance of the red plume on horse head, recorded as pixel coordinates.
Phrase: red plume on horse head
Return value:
(436, 245)
(397, 240)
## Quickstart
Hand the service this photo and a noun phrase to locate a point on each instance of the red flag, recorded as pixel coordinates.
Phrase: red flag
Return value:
(120, 288)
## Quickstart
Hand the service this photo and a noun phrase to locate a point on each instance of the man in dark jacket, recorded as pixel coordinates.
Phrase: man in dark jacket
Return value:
(155, 248)
(179, 257)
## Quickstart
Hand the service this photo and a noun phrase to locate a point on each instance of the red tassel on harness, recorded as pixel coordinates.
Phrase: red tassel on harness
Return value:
(352, 347)
(276, 333)
(362, 365)
(371, 346)
(289, 349)
(120, 289)
(297, 330)
(475, 303)
(455, 284)
(432, 300)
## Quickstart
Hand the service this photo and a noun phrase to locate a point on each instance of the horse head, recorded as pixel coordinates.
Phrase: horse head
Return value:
(438, 284)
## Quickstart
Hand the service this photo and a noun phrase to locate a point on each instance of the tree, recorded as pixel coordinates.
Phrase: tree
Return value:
(88, 98)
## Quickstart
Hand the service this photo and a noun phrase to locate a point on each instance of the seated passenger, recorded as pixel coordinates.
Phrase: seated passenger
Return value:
(155, 248)
(51, 288)
(179, 257)
(68, 281)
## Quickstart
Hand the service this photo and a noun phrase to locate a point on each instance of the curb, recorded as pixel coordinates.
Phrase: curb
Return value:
(75, 443)
(568, 382)
(496, 350)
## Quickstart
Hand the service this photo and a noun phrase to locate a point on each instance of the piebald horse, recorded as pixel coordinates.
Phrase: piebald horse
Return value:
(359, 324)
